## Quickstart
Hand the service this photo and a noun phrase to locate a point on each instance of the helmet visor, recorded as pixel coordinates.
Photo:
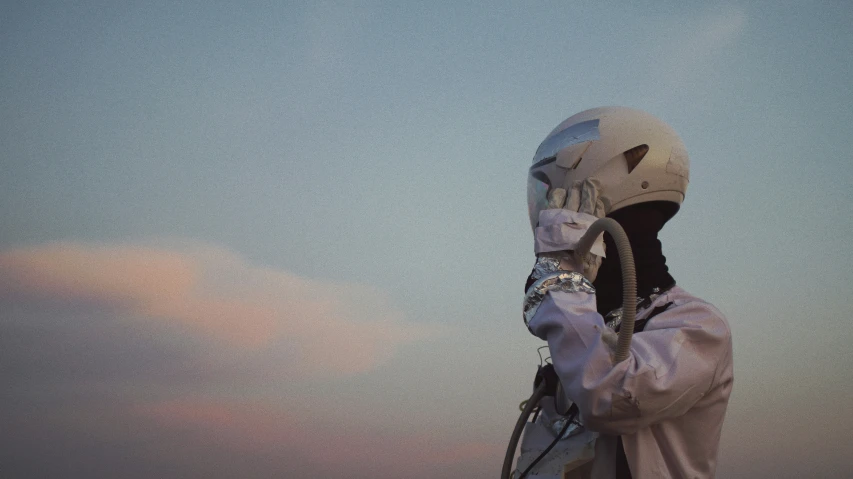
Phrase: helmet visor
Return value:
(544, 171)
(538, 186)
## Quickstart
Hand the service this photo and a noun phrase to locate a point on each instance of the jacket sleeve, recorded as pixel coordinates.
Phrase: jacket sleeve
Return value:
(669, 368)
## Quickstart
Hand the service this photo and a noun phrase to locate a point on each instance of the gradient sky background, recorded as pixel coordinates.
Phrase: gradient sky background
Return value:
(247, 240)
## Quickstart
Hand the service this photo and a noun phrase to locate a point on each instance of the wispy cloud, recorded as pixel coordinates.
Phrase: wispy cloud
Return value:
(691, 55)
(195, 436)
(259, 428)
(191, 359)
(213, 295)
(713, 33)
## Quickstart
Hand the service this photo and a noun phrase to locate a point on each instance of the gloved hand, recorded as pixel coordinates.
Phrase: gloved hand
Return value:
(562, 225)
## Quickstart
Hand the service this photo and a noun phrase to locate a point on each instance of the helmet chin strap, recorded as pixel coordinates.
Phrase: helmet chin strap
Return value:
(641, 223)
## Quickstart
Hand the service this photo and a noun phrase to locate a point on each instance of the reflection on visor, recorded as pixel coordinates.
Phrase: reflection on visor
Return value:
(538, 182)
(577, 133)
(537, 195)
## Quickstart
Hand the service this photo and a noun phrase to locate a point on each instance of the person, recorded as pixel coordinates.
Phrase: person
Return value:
(659, 413)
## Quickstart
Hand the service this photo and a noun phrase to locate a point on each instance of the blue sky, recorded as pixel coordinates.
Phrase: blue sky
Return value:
(301, 229)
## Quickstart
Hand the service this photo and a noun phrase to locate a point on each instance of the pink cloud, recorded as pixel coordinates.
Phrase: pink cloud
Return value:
(269, 430)
(325, 326)
(185, 413)
(109, 274)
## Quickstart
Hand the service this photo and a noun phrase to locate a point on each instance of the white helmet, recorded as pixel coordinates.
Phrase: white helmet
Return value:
(634, 156)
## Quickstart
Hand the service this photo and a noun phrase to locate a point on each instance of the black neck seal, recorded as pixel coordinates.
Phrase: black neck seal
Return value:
(641, 223)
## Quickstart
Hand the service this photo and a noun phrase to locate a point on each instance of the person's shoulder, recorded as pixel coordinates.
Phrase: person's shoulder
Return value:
(695, 311)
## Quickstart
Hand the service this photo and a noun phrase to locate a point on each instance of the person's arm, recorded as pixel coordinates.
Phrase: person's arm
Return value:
(667, 372)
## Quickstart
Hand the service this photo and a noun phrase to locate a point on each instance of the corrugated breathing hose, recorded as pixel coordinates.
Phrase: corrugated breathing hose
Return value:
(629, 278)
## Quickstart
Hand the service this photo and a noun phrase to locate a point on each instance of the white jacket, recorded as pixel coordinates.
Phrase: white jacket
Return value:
(667, 400)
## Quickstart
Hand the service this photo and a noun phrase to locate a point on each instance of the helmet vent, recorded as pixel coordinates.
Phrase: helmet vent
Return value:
(635, 155)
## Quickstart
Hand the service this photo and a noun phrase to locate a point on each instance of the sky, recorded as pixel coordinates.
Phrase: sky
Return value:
(288, 239)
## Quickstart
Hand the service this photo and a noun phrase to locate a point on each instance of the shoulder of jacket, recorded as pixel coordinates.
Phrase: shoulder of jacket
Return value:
(692, 311)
